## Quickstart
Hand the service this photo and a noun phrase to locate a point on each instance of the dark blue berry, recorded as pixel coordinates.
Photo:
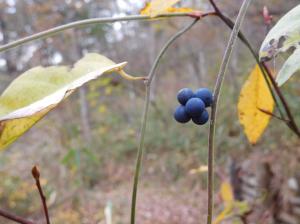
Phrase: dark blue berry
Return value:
(202, 119)
(180, 115)
(194, 107)
(184, 95)
(205, 95)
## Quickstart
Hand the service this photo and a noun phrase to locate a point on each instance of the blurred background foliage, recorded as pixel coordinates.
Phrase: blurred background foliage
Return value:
(86, 147)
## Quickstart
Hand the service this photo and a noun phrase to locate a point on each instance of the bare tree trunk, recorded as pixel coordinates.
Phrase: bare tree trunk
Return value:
(191, 70)
(72, 55)
(10, 66)
(84, 106)
(199, 67)
(203, 68)
(84, 114)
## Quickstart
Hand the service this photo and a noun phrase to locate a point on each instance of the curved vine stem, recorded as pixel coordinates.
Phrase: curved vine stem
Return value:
(217, 90)
(145, 115)
(50, 32)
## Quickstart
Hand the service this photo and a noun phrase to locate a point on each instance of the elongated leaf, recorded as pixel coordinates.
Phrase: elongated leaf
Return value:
(156, 7)
(290, 67)
(226, 192)
(254, 97)
(148, 10)
(232, 208)
(200, 169)
(36, 92)
(182, 9)
(284, 35)
(228, 211)
(228, 200)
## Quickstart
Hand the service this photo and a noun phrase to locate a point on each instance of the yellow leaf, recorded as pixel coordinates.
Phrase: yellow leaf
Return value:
(102, 109)
(156, 7)
(254, 97)
(232, 208)
(224, 214)
(226, 192)
(228, 199)
(182, 9)
(146, 9)
(200, 169)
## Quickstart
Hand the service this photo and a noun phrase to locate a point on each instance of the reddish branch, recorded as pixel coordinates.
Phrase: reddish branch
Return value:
(271, 114)
(266, 71)
(291, 122)
(36, 175)
(267, 17)
(14, 218)
(200, 15)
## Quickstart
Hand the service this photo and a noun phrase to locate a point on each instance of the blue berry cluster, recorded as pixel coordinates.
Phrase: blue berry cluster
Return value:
(193, 105)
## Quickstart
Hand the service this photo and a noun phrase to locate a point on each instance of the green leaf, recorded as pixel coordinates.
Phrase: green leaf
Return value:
(283, 36)
(39, 90)
(290, 67)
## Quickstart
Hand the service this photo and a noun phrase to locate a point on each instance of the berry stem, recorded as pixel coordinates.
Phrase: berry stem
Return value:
(217, 90)
(167, 44)
(145, 115)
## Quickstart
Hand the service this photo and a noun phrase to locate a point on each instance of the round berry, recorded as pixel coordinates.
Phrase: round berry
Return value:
(180, 115)
(202, 119)
(184, 95)
(205, 95)
(194, 107)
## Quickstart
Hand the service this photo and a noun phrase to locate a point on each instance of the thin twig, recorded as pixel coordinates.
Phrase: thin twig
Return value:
(266, 73)
(242, 37)
(36, 175)
(291, 122)
(15, 218)
(163, 50)
(85, 22)
(145, 115)
(272, 114)
(217, 89)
